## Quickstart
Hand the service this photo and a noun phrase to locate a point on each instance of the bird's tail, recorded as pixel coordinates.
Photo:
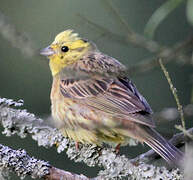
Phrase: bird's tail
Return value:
(165, 149)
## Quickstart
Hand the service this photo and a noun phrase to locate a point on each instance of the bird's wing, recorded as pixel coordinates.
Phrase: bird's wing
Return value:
(116, 96)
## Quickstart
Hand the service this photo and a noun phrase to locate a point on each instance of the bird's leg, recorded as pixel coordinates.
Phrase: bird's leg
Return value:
(117, 148)
(77, 146)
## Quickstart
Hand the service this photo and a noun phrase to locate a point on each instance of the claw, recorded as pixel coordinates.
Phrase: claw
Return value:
(77, 146)
(117, 148)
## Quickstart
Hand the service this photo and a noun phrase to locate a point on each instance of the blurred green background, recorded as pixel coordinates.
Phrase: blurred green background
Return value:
(24, 74)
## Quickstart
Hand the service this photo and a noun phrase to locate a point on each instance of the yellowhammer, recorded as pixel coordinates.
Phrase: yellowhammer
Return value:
(94, 102)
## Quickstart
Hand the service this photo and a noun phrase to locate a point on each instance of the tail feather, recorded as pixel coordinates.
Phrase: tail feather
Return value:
(165, 149)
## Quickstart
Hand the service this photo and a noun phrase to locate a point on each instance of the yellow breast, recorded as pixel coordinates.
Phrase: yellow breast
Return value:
(80, 123)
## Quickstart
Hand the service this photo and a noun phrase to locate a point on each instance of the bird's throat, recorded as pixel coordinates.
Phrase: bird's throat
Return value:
(55, 67)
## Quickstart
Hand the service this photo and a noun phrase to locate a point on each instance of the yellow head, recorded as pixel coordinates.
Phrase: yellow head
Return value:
(66, 49)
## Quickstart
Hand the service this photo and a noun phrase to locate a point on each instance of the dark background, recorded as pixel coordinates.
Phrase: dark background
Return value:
(24, 74)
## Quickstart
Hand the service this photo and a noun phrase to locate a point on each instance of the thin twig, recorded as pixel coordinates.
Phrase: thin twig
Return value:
(174, 92)
(138, 39)
(186, 133)
(167, 54)
(19, 162)
(118, 16)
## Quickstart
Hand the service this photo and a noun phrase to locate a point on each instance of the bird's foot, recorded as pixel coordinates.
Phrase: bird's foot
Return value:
(77, 146)
(117, 148)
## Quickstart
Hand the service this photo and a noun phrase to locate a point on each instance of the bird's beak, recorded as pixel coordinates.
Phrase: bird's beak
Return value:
(48, 51)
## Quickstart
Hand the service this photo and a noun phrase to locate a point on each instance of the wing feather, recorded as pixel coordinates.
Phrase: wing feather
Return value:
(116, 96)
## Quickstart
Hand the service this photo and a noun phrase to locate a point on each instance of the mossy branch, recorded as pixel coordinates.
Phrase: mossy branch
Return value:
(19, 162)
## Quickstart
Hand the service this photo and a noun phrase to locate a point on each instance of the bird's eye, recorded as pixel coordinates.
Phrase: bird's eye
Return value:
(64, 48)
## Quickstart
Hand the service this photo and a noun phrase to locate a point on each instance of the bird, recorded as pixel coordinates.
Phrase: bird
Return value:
(94, 102)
